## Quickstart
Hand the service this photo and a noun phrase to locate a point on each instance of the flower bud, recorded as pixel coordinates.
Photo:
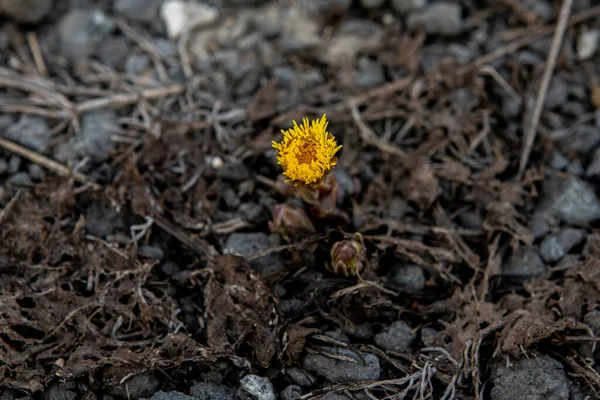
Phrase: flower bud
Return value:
(289, 221)
(348, 257)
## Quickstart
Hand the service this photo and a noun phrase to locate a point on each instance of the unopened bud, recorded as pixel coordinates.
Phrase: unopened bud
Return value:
(289, 221)
(348, 257)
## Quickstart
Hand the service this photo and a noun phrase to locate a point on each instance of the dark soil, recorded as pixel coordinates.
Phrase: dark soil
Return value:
(143, 251)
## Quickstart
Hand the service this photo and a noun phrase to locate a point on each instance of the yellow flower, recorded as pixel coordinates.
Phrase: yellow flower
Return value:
(307, 152)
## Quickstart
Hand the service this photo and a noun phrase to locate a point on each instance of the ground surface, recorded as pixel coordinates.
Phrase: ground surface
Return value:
(481, 282)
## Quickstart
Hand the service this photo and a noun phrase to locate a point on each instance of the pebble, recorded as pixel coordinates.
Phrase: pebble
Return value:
(429, 336)
(363, 331)
(405, 6)
(94, 140)
(26, 11)
(234, 171)
(301, 377)
(31, 132)
(558, 161)
(182, 16)
(81, 31)
(576, 203)
(352, 37)
(114, 52)
(409, 277)
(342, 371)
(557, 92)
(61, 391)
(143, 385)
(171, 396)
(524, 262)
(14, 164)
(592, 318)
(300, 30)
(292, 392)
(36, 172)
(211, 391)
(138, 10)
(20, 179)
(339, 335)
(245, 244)
(582, 140)
(470, 220)
(555, 247)
(535, 378)
(155, 253)
(370, 4)
(254, 213)
(326, 6)
(440, 18)
(370, 73)
(258, 387)
(540, 7)
(587, 43)
(396, 337)
(136, 63)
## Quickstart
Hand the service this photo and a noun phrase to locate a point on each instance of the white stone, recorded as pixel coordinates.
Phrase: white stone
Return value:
(587, 43)
(182, 16)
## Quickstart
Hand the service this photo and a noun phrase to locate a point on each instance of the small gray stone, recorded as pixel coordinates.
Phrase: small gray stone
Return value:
(396, 337)
(405, 6)
(429, 336)
(14, 164)
(301, 377)
(352, 37)
(292, 392)
(409, 277)
(370, 73)
(258, 387)
(182, 16)
(136, 63)
(26, 11)
(576, 167)
(151, 252)
(582, 140)
(6, 120)
(587, 43)
(20, 179)
(234, 171)
(114, 52)
(341, 370)
(245, 244)
(534, 378)
(525, 262)
(30, 131)
(364, 331)
(138, 386)
(171, 396)
(555, 247)
(326, 6)
(470, 220)
(102, 219)
(512, 107)
(577, 204)
(541, 8)
(61, 392)
(254, 213)
(36, 172)
(440, 18)
(81, 32)
(138, 10)
(558, 161)
(290, 306)
(592, 318)
(211, 391)
(94, 140)
(370, 4)
(339, 335)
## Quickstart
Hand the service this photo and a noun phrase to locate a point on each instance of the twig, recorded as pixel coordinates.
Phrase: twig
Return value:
(516, 45)
(554, 50)
(125, 99)
(38, 58)
(369, 136)
(47, 163)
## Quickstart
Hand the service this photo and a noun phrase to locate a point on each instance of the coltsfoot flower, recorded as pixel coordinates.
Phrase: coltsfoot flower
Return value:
(307, 152)
(348, 257)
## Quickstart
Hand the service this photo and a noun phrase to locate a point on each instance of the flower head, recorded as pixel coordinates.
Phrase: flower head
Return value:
(348, 257)
(307, 152)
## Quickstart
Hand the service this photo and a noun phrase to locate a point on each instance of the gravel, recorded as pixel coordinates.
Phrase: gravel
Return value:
(26, 11)
(182, 16)
(587, 43)
(245, 244)
(405, 6)
(341, 371)
(441, 18)
(258, 387)
(114, 52)
(234, 172)
(397, 337)
(138, 10)
(292, 392)
(171, 396)
(557, 92)
(211, 391)
(94, 140)
(525, 262)
(301, 377)
(351, 38)
(31, 132)
(575, 202)
(555, 247)
(409, 277)
(81, 31)
(534, 378)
